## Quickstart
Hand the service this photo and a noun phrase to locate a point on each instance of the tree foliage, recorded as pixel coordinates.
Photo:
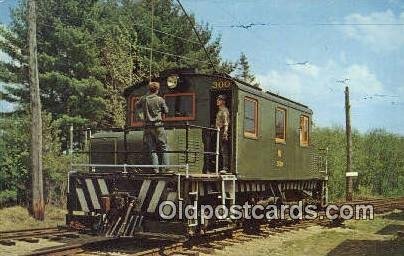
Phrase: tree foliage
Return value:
(90, 51)
(243, 71)
(377, 157)
(15, 178)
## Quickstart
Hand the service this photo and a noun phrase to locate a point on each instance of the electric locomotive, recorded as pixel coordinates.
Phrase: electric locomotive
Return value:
(271, 157)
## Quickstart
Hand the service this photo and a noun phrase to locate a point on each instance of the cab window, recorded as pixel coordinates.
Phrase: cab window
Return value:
(181, 106)
(250, 117)
(280, 125)
(304, 130)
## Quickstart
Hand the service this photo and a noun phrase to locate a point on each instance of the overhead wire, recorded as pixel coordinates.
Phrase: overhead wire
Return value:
(247, 26)
(197, 35)
(172, 54)
(252, 24)
(331, 90)
(168, 34)
(154, 29)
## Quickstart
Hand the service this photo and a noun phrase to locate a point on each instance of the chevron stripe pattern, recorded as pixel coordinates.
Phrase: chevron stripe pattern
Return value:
(150, 193)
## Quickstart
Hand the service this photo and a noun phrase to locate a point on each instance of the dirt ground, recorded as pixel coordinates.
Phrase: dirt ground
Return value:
(364, 237)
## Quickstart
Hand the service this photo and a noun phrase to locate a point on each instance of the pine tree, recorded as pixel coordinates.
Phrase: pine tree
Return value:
(68, 61)
(90, 51)
(243, 71)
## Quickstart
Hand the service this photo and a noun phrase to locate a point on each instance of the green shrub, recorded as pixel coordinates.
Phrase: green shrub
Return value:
(7, 197)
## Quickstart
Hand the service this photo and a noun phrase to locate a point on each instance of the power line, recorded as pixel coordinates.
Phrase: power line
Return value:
(166, 33)
(304, 63)
(172, 54)
(197, 35)
(172, 35)
(379, 96)
(151, 49)
(252, 24)
(257, 35)
(148, 27)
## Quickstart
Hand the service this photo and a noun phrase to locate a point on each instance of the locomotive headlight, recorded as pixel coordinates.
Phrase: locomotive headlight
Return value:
(172, 81)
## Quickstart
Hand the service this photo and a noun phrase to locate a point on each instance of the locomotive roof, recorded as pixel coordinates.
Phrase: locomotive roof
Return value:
(239, 83)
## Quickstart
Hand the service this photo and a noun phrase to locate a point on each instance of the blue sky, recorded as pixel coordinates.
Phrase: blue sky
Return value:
(331, 36)
(359, 40)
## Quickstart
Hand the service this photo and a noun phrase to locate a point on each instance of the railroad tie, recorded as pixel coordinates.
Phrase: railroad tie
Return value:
(281, 229)
(225, 243)
(186, 253)
(204, 250)
(231, 240)
(239, 239)
(251, 236)
(213, 245)
(29, 239)
(55, 238)
(7, 242)
(70, 235)
(267, 231)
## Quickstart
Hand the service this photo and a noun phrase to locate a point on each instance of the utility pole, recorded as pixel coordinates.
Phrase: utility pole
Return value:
(349, 178)
(38, 205)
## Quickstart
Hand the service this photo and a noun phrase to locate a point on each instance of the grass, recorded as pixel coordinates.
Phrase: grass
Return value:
(363, 237)
(17, 217)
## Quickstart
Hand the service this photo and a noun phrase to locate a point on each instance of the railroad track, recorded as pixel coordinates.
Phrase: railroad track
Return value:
(382, 205)
(206, 245)
(36, 233)
(33, 235)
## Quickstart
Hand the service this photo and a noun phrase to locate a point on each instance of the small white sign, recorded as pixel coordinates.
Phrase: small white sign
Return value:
(351, 174)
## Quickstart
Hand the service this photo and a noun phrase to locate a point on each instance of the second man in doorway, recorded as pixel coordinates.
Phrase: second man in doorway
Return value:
(222, 122)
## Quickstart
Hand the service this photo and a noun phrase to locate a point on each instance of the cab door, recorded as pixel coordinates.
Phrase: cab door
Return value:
(221, 86)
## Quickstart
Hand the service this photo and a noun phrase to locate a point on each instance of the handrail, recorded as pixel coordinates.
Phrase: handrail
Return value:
(322, 154)
(124, 166)
(187, 126)
(141, 128)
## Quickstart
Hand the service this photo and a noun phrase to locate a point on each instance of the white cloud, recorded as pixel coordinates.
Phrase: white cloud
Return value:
(362, 80)
(377, 37)
(282, 82)
(301, 81)
(320, 90)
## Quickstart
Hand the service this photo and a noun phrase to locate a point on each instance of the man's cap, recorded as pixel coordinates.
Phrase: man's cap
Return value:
(221, 97)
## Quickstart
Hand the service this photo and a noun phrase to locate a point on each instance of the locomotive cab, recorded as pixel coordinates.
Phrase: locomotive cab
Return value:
(191, 100)
(271, 159)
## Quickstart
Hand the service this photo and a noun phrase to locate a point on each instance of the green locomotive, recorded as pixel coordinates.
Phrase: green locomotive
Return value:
(272, 159)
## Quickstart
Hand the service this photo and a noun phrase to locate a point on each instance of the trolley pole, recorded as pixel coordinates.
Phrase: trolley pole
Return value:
(349, 178)
(38, 204)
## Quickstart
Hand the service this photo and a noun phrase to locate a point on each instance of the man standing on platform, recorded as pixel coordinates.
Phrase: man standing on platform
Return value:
(154, 136)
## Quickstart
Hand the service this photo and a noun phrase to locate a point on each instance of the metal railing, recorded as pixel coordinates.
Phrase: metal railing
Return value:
(321, 161)
(89, 132)
(125, 166)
